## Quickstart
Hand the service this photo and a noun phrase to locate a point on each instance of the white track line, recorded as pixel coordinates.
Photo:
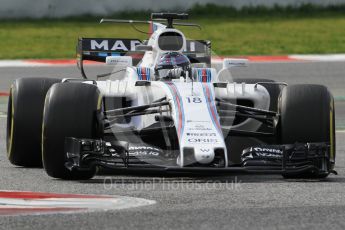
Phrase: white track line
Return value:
(327, 57)
(20, 63)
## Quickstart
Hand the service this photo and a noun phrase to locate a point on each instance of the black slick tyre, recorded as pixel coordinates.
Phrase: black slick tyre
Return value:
(24, 120)
(71, 110)
(307, 115)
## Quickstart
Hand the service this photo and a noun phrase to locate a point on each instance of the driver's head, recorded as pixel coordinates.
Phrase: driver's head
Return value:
(172, 65)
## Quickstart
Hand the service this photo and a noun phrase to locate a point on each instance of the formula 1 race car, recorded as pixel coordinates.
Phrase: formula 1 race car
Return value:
(166, 108)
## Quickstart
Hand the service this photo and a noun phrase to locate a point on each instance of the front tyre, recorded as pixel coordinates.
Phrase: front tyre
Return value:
(307, 115)
(71, 110)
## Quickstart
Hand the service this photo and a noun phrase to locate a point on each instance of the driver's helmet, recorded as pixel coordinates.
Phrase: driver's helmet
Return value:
(172, 65)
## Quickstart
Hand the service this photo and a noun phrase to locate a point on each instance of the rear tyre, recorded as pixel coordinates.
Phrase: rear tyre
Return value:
(307, 115)
(24, 120)
(71, 110)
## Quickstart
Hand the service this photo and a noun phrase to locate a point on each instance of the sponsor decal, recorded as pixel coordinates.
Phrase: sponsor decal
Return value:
(263, 155)
(190, 121)
(203, 140)
(234, 62)
(199, 127)
(97, 44)
(110, 44)
(202, 134)
(268, 150)
(263, 152)
(119, 60)
(144, 151)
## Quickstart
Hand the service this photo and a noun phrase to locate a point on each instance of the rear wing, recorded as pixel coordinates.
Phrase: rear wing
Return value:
(97, 49)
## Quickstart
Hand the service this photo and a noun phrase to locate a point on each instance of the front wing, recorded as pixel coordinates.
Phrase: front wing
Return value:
(310, 159)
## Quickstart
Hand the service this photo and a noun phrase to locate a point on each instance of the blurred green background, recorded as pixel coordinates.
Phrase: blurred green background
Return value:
(249, 31)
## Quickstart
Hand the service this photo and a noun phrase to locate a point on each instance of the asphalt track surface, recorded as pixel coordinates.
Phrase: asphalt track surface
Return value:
(222, 202)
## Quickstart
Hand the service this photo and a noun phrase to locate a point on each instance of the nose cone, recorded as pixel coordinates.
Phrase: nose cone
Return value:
(204, 155)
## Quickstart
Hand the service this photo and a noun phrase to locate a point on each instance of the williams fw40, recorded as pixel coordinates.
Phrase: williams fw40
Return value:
(165, 108)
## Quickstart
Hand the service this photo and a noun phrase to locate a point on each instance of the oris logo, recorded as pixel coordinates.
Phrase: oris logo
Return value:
(203, 140)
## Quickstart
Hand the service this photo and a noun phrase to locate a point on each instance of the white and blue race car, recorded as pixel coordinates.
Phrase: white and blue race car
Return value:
(165, 108)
